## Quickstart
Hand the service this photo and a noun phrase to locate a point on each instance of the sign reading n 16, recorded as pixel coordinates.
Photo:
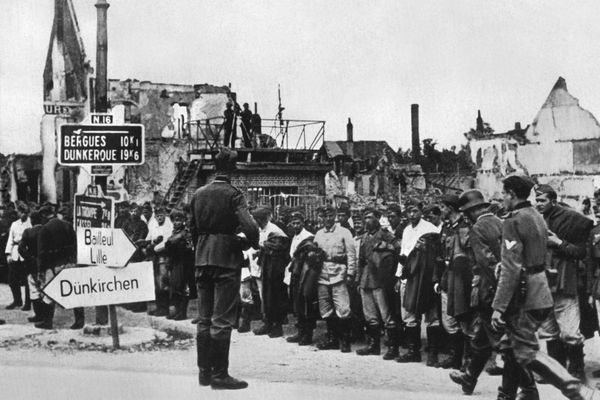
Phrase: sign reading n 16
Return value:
(101, 144)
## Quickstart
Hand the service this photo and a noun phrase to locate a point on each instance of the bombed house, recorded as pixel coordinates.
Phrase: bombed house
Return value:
(562, 131)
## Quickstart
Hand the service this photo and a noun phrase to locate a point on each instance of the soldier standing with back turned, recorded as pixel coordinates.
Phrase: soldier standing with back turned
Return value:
(219, 211)
(523, 300)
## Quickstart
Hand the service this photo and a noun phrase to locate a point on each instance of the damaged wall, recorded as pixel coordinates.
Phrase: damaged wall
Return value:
(562, 149)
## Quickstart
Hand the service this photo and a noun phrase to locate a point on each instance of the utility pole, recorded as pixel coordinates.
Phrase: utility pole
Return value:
(101, 106)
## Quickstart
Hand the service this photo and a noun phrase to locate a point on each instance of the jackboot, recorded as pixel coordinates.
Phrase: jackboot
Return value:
(276, 331)
(244, 325)
(467, 354)
(27, 304)
(393, 343)
(502, 395)
(220, 378)
(162, 305)
(413, 341)
(493, 369)
(344, 331)
(433, 344)
(203, 342)
(101, 315)
(307, 337)
(454, 361)
(527, 384)
(48, 315)
(576, 363)
(555, 374)
(263, 329)
(79, 315)
(295, 338)
(17, 299)
(510, 376)
(37, 313)
(373, 346)
(468, 379)
(557, 350)
(331, 341)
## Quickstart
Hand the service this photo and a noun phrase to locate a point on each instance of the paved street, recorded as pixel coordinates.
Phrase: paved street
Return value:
(272, 367)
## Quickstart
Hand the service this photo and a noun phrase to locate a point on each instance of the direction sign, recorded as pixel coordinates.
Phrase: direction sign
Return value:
(103, 246)
(101, 170)
(94, 212)
(97, 286)
(80, 145)
(61, 108)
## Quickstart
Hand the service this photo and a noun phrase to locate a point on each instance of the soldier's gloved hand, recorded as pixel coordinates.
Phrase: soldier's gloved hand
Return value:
(397, 286)
(497, 322)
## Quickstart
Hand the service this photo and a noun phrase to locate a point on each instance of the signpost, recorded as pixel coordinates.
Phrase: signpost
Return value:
(87, 145)
(93, 286)
(102, 246)
(94, 212)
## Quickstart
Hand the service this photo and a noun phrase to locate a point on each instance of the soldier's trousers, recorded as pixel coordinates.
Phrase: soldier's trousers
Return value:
(521, 329)
(375, 307)
(218, 298)
(564, 322)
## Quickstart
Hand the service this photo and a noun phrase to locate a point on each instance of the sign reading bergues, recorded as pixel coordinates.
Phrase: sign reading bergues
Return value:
(101, 144)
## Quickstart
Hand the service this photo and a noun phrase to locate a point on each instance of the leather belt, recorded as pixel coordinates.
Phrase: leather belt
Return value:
(536, 269)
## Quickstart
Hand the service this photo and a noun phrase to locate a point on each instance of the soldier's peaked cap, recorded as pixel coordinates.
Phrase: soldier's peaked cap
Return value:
(471, 199)
(544, 189)
(297, 215)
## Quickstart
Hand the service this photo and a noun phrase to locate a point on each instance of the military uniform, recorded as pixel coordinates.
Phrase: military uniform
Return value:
(524, 238)
(219, 211)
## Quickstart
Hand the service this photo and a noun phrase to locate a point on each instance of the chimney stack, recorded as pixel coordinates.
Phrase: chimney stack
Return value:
(255, 108)
(349, 131)
(416, 143)
(517, 126)
(479, 122)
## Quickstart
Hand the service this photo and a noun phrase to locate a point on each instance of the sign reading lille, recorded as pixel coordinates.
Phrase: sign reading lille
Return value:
(81, 145)
(94, 286)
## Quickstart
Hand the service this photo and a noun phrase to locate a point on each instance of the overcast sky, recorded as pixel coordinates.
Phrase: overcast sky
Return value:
(368, 60)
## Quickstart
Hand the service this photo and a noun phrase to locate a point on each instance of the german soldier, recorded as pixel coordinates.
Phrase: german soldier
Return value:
(485, 242)
(219, 210)
(523, 300)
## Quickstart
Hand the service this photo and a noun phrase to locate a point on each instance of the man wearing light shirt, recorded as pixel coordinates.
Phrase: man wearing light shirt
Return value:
(416, 285)
(17, 272)
(158, 235)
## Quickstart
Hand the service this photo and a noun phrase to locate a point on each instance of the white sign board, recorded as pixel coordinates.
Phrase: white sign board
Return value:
(97, 286)
(103, 246)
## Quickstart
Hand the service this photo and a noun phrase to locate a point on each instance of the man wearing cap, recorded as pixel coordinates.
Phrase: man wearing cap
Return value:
(419, 254)
(221, 227)
(376, 265)
(485, 242)
(301, 284)
(455, 282)
(523, 300)
(432, 213)
(338, 271)
(567, 237)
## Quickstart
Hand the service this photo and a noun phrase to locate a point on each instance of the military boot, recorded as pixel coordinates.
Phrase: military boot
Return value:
(373, 346)
(203, 345)
(433, 344)
(79, 315)
(576, 363)
(331, 341)
(48, 317)
(393, 343)
(468, 379)
(244, 325)
(307, 337)
(37, 313)
(344, 334)
(454, 361)
(220, 378)
(413, 336)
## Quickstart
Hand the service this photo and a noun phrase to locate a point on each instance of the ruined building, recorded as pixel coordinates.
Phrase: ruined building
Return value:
(561, 147)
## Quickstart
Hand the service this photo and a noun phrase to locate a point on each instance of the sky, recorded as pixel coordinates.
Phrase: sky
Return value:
(334, 59)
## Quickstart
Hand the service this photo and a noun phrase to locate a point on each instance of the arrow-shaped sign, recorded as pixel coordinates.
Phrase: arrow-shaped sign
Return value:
(96, 286)
(103, 246)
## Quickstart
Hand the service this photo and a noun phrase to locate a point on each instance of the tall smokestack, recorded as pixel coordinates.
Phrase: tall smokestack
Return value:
(350, 139)
(416, 143)
(349, 131)
(101, 57)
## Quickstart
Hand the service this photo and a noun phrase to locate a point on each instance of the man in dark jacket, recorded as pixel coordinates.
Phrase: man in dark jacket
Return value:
(567, 241)
(56, 249)
(523, 300)
(219, 212)
(28, 250)
(419, 255)
(485, 242)
(377, 265)
(455, 281)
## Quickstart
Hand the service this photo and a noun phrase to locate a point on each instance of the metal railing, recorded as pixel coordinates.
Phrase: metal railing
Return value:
(290, 134)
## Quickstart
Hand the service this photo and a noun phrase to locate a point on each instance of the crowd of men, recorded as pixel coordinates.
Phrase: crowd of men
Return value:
(482, 278)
